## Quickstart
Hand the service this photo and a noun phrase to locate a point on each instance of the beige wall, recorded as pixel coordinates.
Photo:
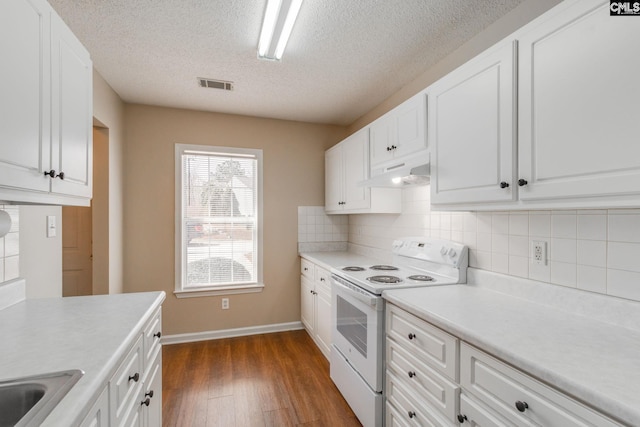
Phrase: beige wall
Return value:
(293, 156)
(108, 110)
(100, 211)
(516, 18)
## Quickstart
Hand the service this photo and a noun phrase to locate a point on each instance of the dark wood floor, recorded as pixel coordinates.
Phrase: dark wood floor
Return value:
(278, 379)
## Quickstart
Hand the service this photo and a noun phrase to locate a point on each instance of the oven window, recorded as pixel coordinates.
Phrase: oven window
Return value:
(352, 324)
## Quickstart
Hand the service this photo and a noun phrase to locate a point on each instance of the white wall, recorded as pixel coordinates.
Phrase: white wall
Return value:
(40, 257)
(594, 250)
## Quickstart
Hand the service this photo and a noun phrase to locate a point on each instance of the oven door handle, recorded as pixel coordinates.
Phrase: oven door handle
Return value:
(371, 301)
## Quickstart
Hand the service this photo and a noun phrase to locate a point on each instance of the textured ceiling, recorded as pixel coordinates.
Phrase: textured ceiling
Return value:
(344, 56)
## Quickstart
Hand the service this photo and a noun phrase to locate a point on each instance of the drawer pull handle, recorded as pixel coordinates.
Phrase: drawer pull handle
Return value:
(504, 184)
(522, 182)
(135, 377)
(412, 414)
(157, 334)
(146, 402)
(306, 269)
(411, 374)
(149, 394)
(411, 335)
(322, 279)
(521, 406)
(462, 418)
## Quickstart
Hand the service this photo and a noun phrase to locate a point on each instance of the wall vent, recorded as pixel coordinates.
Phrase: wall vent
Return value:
(215, 84)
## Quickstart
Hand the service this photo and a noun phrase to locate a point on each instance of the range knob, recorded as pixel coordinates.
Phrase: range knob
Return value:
(452, 252)
(443, 250)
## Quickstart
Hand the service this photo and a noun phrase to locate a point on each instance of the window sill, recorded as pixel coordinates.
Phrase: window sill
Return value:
(219, 290)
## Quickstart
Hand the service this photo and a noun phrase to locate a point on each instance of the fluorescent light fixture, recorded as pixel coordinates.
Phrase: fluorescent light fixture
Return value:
(279, 17)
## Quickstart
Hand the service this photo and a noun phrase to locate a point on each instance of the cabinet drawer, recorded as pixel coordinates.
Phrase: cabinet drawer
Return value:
(126, 384)
(306, 268)
(410, 410)
(323, 279)
(501, 386)
(476, 415)
(435, 347)
(152, 334)
(426, 384)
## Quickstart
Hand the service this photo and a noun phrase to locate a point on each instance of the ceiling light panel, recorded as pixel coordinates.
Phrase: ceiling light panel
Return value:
(278, 22)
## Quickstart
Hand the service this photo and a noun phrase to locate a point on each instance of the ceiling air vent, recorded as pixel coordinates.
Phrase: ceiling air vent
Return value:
(215, 84)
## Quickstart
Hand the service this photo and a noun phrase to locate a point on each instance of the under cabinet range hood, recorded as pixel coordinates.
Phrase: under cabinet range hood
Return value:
(409, 172)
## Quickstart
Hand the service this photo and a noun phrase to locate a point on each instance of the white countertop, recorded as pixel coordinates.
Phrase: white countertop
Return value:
(57, 334)
(593, 361)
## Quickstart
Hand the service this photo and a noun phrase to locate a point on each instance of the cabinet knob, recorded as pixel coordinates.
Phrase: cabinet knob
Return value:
(521, 406)
(135, 377)
(462, 418)
(393, 147)
(146, 402)
(389, 148)
(322, 279)
(411, 374)
(51, 173)
(411, 335)
(157, 334)
(60, 175)
(504, 184)
(522, 182)
(149, 394)
(412, 414)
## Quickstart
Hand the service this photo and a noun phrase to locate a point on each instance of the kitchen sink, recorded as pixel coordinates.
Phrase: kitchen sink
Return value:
(26, 402)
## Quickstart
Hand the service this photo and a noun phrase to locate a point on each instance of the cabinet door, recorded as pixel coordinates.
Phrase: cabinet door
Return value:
(307, 300)
(476, 415)
(153, 391)
(381, 138)
(578, 105)
(99, 413)
(333, 179)
(323, 320)
(471, 130)
(410, 118)
(355, 163)
(72, 112)
(24, 93)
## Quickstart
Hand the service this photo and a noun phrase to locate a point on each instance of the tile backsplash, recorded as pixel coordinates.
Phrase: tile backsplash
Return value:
(318, 231)
(594, 250)
(10, 247)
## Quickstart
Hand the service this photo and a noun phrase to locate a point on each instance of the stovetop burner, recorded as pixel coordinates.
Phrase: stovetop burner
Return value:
(421, 278)
(352, 268)
(384, 279)
(384, 267)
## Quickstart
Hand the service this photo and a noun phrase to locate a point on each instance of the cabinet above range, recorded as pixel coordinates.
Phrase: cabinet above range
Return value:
(46, 108)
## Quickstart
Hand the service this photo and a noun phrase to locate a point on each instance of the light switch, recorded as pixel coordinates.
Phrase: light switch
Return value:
(52, 229)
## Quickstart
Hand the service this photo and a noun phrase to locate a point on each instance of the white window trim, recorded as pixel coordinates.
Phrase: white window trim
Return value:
(179, 250)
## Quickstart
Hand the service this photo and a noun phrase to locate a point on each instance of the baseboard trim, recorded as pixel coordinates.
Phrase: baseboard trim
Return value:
(230, 333)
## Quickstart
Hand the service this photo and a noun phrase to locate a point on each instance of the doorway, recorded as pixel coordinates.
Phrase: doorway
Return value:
(85, 230)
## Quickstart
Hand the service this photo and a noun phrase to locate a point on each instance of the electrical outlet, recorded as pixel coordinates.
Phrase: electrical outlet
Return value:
(225, 303)
(539, 252)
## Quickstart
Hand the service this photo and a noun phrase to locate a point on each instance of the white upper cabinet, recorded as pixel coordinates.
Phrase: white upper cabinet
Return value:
(399, 133)
(577, 116)
(72, 124)
(346, 165)
(45, 107)
(24, 93)
(579, 105)
(471, 130)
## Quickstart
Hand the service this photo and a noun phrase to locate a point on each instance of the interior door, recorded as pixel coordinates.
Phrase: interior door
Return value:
(77, 259)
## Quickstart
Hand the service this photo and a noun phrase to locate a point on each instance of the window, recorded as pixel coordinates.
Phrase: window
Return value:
(218, 220)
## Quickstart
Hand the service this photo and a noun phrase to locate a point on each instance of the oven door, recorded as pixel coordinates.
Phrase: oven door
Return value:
(358, 329)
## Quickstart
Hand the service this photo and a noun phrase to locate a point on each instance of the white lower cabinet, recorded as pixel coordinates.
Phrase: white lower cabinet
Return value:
(133, 395)
(519, 398)
(315, 304)
(419, 391)
(98, 415)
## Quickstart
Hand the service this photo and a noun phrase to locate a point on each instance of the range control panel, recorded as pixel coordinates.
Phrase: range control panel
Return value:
(434, 250)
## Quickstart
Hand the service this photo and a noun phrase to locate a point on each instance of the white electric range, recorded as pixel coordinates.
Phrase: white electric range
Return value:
(357, 357)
